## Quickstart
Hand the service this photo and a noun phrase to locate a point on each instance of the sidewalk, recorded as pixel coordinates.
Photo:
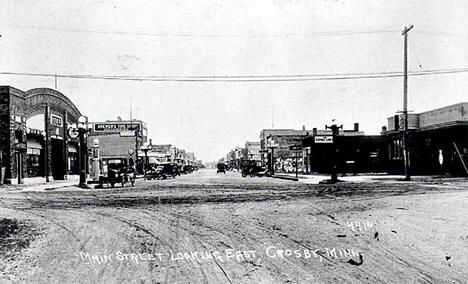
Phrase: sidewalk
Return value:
(371, 178)
(40, 184)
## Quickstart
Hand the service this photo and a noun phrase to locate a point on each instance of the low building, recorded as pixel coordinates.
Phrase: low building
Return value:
(351, 151)
(278, 144)
(438, 141)
(252, 150)
(120, 138)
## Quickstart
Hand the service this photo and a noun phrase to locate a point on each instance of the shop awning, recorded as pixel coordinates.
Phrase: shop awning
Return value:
(33, 145)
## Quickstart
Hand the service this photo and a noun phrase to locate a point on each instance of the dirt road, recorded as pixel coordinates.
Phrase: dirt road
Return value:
(209, 228)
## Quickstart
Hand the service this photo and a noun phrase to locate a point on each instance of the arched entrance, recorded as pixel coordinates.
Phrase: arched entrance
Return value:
(28, 150)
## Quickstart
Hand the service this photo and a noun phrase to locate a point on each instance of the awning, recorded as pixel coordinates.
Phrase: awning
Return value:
(33, 151)
(153, 160)
(31, 144)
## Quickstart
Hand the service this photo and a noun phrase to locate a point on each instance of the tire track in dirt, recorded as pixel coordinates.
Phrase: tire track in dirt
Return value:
(223, 232)
(280, 235)
(380, 248)
(147, 232)
(197, 239)
(154, 236)
(29, 211)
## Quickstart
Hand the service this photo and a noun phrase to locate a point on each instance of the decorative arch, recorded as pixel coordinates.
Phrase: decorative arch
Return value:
(36, 99)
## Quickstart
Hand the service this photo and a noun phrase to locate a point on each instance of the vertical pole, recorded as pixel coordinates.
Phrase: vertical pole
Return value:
(136, 151)
(296, 163)
(272, 160)
(146, 161)
(82, 157)
(334, 177)
(19, 166)
(406, 153)
(65, 144)
(47, 142)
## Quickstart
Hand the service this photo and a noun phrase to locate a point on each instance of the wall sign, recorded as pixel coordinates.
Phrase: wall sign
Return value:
(116, 127)
(323, 139)
(56, 120)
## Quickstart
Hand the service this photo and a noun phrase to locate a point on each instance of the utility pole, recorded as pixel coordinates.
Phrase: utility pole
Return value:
(405, 103)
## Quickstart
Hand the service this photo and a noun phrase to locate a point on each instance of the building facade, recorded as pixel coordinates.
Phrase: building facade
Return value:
(276, 147)
(44, 149)
(252, 151)
(120, 138)
(438, 141)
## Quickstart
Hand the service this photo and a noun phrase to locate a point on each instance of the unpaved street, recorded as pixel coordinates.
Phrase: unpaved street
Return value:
(209, 228)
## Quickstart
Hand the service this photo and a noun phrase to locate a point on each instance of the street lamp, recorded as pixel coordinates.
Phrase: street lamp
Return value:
(145, 148)
(334, 128)
(83, 127)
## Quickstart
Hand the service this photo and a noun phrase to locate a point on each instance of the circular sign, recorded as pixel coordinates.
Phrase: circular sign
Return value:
(72, 133)
(130, 152)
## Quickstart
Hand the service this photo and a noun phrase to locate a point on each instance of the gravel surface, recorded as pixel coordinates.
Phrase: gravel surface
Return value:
(216, 228)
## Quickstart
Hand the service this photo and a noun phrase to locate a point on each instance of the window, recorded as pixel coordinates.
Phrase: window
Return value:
(397, 149)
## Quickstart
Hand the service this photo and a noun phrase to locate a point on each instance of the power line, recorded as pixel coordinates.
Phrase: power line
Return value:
(188, 34)
(246, 78)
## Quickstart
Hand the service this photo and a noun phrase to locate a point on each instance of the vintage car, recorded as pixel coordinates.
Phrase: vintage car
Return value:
(162, 171)
(187, 169)
(115, 170)
(252, 168)
(221, 168)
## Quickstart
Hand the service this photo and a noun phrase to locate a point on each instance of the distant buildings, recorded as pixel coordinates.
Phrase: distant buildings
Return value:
(252, 150)
(438, 144)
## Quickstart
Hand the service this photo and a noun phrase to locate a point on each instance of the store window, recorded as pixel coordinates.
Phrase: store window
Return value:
(33, 162)
(397, 149)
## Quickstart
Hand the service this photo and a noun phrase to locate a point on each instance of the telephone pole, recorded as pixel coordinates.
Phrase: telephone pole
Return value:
(405, 103)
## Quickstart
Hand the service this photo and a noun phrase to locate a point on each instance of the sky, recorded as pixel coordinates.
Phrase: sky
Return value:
(237, 38)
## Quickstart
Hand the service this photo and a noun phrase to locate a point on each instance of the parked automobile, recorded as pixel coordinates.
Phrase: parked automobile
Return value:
(155, 172)
(252, 168)
(168, 169)
(221, 168)
(115, 170)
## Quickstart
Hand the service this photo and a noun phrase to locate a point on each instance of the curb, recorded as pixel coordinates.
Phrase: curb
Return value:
(285, 177)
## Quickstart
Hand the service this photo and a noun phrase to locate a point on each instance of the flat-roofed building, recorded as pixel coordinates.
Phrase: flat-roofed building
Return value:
(438, 141)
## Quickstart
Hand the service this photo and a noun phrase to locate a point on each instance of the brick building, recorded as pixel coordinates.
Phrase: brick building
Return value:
(120, 138)
(29, 152)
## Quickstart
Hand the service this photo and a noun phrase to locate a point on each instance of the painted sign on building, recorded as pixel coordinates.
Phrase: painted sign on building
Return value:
(116, 127)
(55, 120)
(323, 139)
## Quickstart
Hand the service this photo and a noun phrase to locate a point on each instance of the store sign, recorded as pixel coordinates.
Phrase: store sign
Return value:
(116, 127)
(323, 139)
(127, 133)
(55, 120)
(73, 133)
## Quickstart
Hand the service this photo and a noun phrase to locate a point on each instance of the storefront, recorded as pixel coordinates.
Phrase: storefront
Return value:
(437, 142)
(34, 153)
(31, 151)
